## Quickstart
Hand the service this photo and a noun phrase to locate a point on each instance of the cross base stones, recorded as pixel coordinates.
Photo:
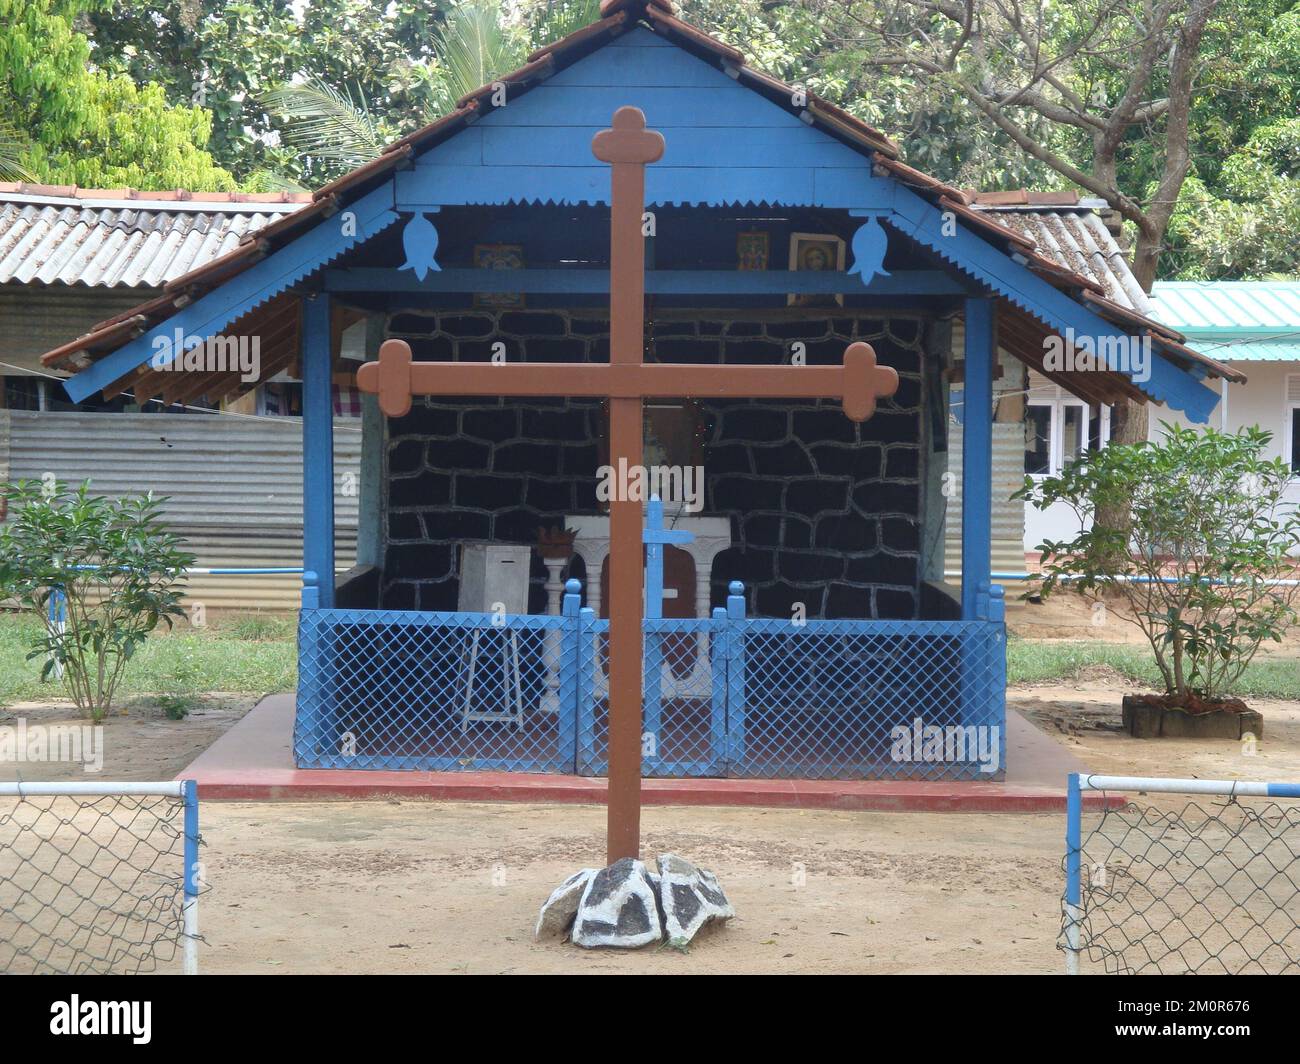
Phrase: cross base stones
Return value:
(627, 906)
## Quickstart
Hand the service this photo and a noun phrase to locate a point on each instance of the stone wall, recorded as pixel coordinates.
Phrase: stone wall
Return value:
(824, 512)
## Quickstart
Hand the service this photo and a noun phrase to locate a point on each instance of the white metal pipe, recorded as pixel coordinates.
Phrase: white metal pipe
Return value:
(1126, 579)
(190, 937)
(38, 790)
(1249, 788)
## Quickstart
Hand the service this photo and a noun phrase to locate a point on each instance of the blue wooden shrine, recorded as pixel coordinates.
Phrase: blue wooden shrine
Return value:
(830, 645)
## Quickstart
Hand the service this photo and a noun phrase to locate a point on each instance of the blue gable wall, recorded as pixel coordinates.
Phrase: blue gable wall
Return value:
(725, 144)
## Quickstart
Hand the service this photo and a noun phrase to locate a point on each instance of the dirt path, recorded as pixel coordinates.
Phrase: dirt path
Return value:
(455, 887)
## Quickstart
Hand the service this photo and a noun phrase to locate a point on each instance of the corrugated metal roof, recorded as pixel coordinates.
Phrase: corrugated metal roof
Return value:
(1236, 321)
(1075, 237)
(46, 239)
(1237, 306)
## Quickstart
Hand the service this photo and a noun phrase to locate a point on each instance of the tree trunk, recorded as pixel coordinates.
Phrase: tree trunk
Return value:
(1128, 424)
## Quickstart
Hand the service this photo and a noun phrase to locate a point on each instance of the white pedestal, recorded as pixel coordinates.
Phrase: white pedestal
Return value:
(553, 639)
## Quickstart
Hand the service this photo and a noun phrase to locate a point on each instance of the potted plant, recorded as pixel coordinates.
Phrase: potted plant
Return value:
(556, 544)
(1202, 569)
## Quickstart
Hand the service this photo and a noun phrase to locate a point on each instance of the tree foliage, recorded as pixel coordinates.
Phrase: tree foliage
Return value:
(65, 122)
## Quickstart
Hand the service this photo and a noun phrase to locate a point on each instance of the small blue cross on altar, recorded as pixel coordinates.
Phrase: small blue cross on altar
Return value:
(654, 536)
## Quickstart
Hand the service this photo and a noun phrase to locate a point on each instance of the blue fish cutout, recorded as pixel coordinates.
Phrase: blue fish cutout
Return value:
(869, 246)
(420, 241)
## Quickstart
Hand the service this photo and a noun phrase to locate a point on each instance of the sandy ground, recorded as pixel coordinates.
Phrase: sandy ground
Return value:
(455, 887)
(416, 886)
(1068, 617)
(1085, 716)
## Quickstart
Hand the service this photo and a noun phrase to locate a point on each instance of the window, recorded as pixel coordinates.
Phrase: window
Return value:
(1038, 438)
(1059, 429)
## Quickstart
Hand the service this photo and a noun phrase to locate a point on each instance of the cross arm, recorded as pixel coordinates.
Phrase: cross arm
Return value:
(858, 382)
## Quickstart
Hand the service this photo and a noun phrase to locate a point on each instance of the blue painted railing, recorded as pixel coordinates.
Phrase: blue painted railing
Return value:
(727, 695)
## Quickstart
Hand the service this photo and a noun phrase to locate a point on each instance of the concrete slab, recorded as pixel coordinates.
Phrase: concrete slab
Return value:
(253, 761)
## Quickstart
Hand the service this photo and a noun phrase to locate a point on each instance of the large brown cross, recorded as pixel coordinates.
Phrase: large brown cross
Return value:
(625, 382)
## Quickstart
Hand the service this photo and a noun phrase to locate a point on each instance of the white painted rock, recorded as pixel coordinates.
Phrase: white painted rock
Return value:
(561, 907)
(618, 908)
(690, 897)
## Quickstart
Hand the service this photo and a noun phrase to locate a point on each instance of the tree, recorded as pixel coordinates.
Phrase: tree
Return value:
(1247, 231)
(69, 123)
(114, 564)
(225, 56)
(1202, 570)
(1073, 86)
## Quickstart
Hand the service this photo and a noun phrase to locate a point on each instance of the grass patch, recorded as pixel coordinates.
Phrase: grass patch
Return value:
(1029, 661)
(251, 655)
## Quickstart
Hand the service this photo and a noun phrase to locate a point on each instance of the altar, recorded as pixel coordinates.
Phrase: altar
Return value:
(687, 575)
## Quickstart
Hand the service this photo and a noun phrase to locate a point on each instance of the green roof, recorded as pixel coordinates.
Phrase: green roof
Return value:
(1237, 321)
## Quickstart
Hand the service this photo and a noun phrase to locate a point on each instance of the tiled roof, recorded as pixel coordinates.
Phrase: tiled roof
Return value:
(1071, 232)
(117, 237)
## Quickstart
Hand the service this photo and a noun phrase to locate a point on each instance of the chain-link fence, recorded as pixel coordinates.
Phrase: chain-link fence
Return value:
(437, 691)
(1191, 885)
(98, 878)
(725, 695)
(869, 699)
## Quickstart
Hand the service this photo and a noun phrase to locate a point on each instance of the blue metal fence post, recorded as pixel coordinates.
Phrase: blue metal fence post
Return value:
(1073, 872)
(719, 653)
(309, 703)
(586, 700)
(977, 454)
(570, 644)
(316, 358)
(733, 722)
(190, 905)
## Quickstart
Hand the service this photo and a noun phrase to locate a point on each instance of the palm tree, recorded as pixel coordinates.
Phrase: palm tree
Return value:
(343, 130)
(13, 146)
(338, 128)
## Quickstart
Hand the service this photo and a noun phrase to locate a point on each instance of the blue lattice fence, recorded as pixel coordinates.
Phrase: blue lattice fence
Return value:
(726, 695)
(437, 691)
(867, 699)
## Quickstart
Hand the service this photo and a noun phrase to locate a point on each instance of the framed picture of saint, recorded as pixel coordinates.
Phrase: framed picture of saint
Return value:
(815, 252)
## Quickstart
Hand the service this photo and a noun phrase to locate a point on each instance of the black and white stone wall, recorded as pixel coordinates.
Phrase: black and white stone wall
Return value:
(823, 512)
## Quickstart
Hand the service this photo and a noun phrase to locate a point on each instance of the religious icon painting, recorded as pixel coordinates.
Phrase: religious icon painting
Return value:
(499, 257)
(752, 250)
(815, 252)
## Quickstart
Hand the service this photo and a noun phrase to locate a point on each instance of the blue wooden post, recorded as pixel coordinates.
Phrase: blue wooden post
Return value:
(729, 719)
(318, 446)
(570, 643)
(977, 455)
